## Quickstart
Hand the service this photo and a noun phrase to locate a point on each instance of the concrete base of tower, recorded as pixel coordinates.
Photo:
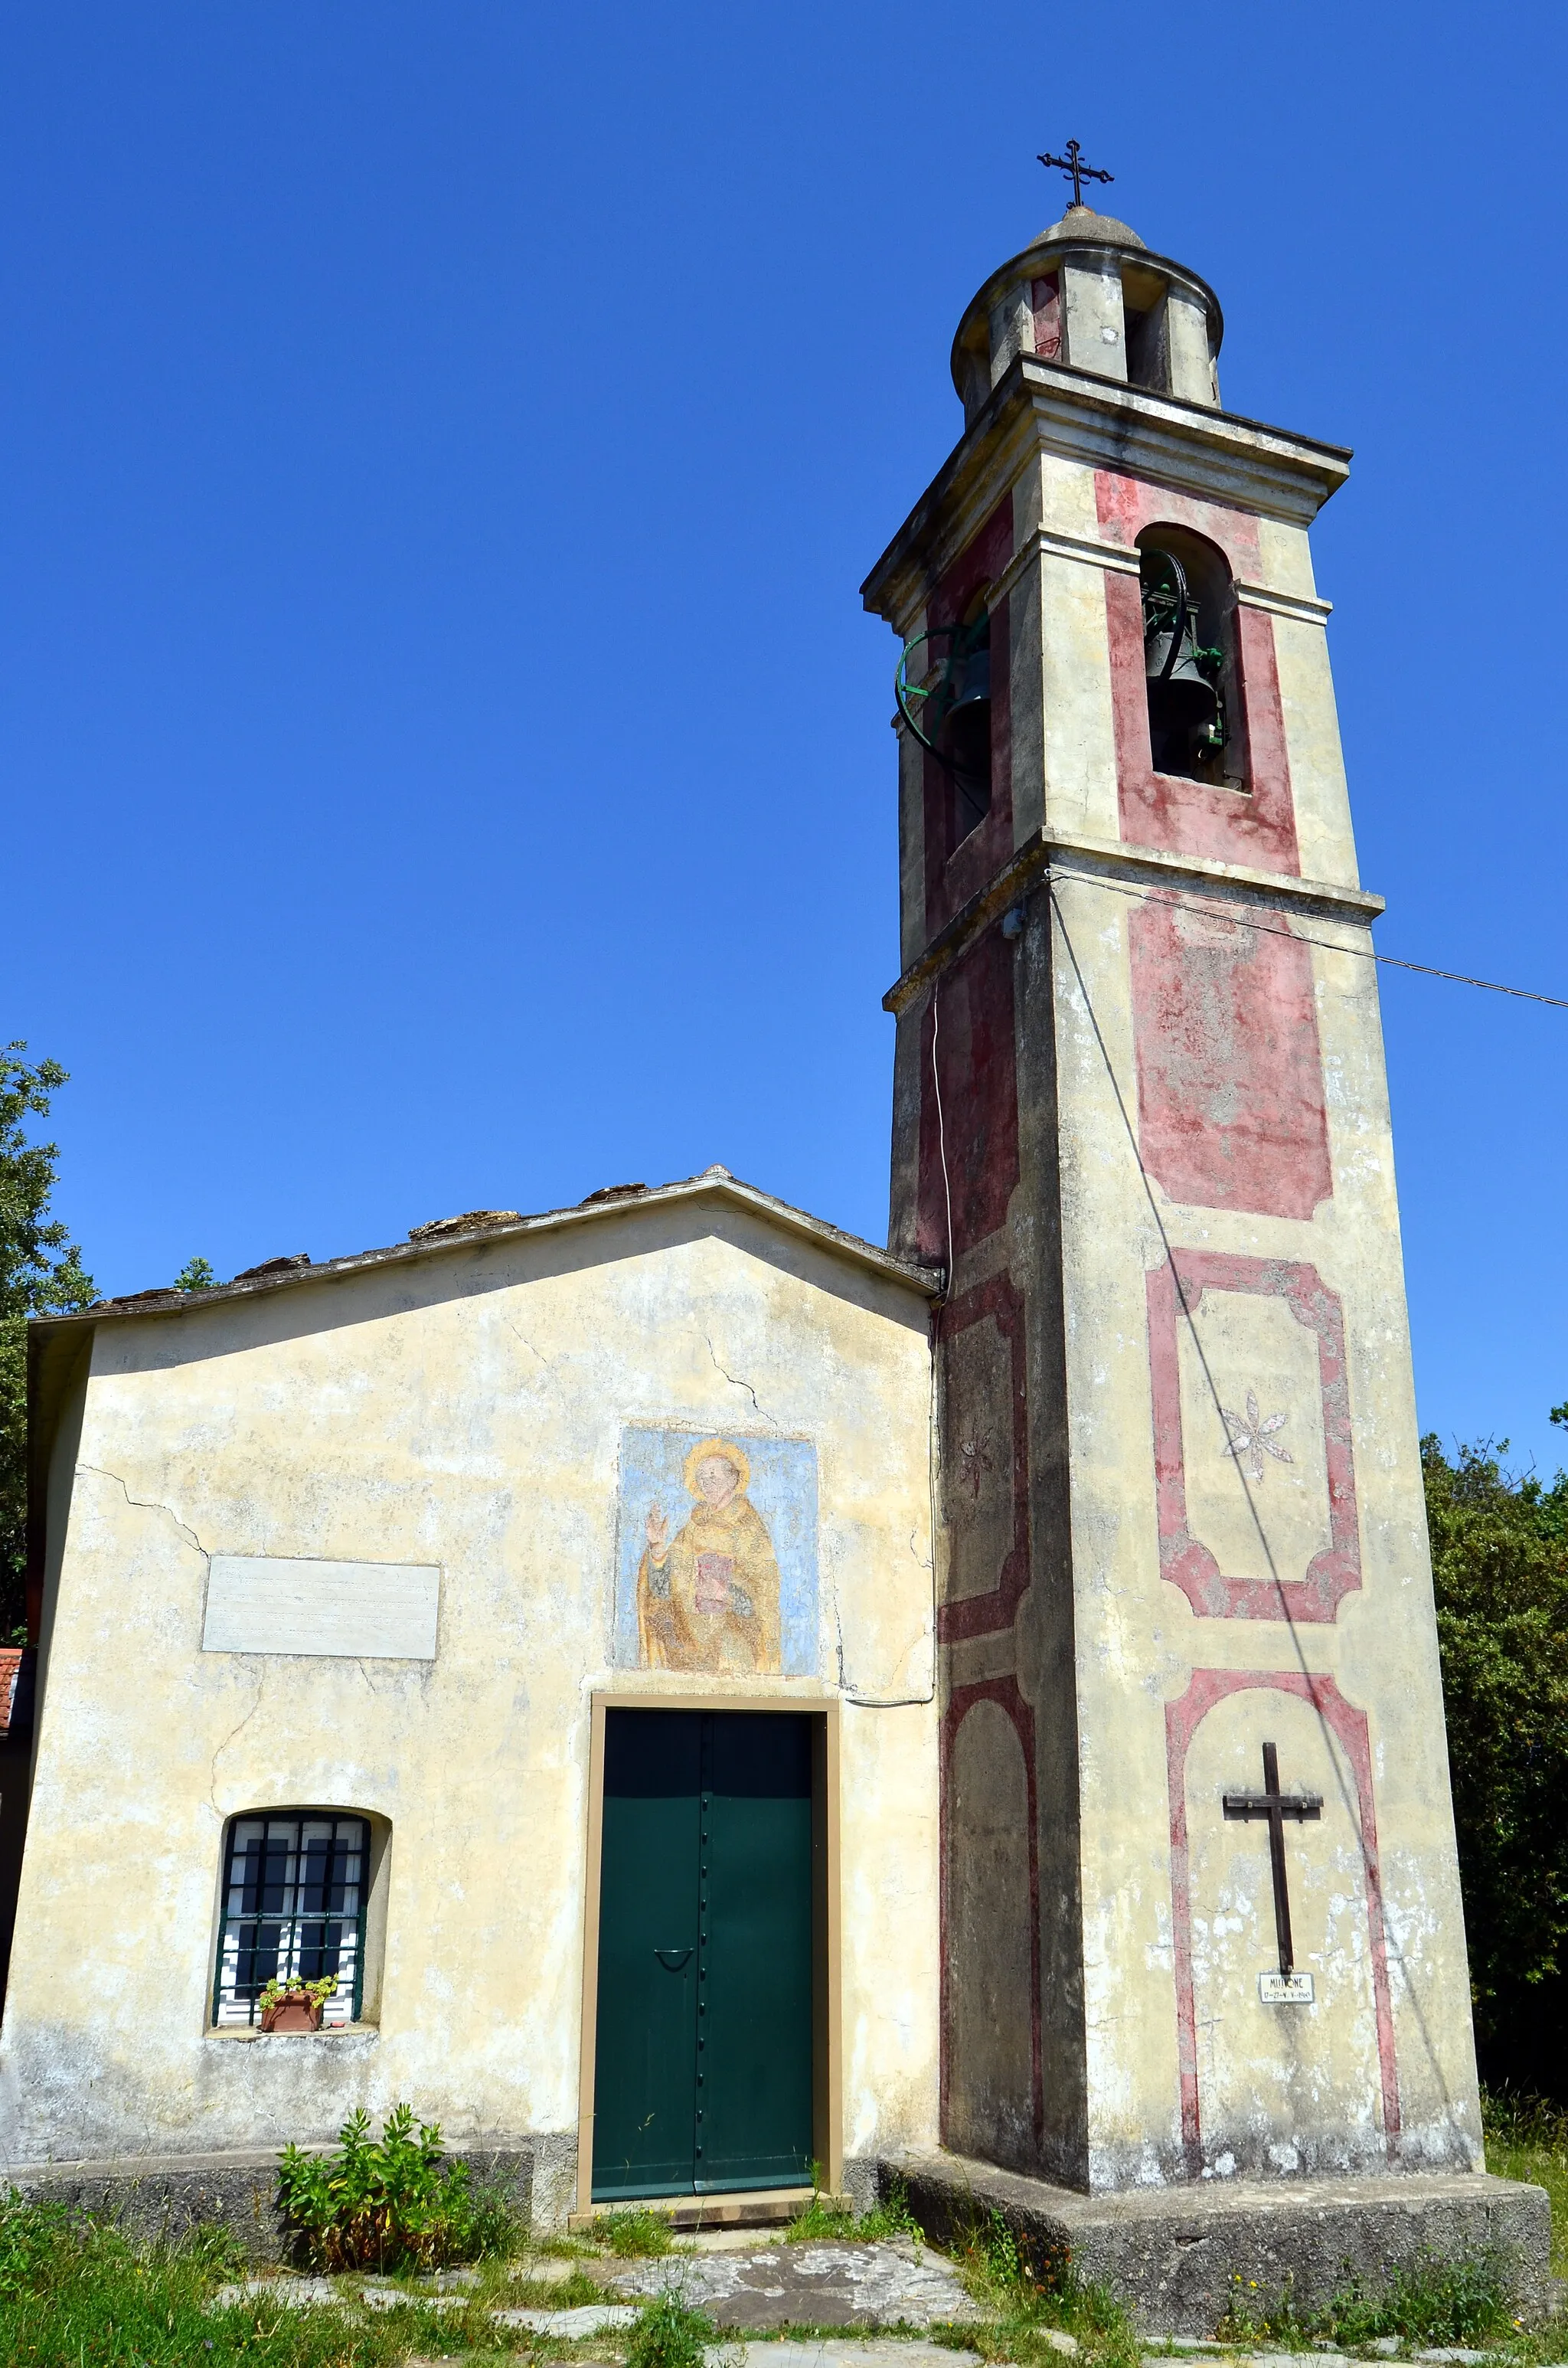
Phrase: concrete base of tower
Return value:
(1174, 2255)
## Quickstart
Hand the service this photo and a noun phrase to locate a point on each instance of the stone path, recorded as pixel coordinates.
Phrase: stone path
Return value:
(830, 2284)
(840, 2352)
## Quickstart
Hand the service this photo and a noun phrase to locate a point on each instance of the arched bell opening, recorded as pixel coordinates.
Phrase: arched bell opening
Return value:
(1190, 658)
(943, 695)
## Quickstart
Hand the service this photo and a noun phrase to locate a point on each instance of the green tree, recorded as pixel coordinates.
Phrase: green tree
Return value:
(1500, 1565)
(196, 1275)
(41, 1271)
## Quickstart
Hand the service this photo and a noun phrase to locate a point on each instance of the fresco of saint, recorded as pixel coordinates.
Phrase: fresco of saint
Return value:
(708, 1598)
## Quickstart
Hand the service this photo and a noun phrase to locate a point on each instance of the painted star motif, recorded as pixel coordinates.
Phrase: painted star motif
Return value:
(1252, 1440)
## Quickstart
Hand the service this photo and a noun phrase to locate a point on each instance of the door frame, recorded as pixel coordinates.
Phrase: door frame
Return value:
(827, 2101)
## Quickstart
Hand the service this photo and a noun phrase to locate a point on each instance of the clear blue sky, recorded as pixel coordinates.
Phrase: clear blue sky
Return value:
(446, 762)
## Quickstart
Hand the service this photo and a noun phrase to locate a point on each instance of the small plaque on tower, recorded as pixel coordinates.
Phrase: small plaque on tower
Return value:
(1285, 1989)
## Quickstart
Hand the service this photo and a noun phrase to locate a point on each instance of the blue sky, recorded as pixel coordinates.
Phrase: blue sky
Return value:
(446, 762)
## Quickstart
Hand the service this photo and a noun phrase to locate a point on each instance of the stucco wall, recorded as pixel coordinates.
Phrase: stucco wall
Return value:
(464, 1409)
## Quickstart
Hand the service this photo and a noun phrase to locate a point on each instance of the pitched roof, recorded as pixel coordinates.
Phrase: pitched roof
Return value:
(614, 1201)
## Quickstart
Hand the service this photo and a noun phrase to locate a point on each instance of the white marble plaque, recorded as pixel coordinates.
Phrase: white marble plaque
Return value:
(264, 1603)
(1285, 1989)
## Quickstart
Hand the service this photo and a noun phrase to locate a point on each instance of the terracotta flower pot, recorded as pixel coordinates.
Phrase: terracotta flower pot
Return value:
(293, 2011)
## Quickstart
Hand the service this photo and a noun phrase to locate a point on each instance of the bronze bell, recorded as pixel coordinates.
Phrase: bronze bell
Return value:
(966, 720)
(1186, 717)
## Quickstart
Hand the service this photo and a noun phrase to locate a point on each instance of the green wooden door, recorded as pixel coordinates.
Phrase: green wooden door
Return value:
(703, 2057)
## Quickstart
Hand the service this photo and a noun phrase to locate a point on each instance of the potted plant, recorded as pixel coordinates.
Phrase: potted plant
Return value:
(295, 2005)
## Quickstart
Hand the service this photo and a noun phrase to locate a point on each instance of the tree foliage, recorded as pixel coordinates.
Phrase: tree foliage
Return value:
(40, 1273)
(1500, 1565)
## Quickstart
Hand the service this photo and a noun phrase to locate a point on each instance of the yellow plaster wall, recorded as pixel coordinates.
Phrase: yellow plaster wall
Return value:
(465, 1410)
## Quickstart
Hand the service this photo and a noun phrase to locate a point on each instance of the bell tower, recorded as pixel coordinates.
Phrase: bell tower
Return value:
(1201, 1910)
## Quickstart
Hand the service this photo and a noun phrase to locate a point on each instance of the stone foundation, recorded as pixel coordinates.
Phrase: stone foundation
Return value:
(1172, 2254)
(160, 2196)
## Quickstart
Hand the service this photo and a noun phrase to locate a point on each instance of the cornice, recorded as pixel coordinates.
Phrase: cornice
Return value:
(1087, 858)
(1052, 407)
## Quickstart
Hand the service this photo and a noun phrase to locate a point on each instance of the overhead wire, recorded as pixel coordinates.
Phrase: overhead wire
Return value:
(1213, 908)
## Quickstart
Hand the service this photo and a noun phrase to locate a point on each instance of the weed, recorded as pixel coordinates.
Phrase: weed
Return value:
(1526, 2138)
(633, 2235)
(891, 2216)
(78, 2291)
(669, 2336)
(389, 2203)
(1426, 2301)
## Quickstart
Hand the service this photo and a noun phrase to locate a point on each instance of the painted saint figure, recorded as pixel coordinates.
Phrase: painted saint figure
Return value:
(708, 1598)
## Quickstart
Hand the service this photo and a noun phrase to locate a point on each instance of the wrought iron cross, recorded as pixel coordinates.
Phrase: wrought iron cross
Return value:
(1276, 1805)
(1073, 166)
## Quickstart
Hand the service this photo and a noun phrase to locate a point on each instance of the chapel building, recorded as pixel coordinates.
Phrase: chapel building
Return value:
(704, 1697)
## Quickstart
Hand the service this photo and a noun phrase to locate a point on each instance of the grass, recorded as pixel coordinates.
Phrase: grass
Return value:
(821, 2218)
(1030, 2299)
(633, 2235)
(1425, 2302)
(1527, 2138)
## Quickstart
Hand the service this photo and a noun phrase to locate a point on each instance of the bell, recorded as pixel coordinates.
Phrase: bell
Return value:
(1185, 714)
(966, 723)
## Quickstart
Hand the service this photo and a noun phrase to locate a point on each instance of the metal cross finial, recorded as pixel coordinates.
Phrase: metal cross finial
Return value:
(1073, 166)
(1276, 1805)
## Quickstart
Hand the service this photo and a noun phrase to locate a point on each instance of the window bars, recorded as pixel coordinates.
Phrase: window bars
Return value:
(294, 1887)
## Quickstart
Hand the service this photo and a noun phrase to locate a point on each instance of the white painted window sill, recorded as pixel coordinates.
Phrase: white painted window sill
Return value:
(339, 2030)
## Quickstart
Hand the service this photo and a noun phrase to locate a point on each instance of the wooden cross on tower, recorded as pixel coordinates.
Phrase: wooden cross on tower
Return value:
(1073, 165)
(1276, 1805)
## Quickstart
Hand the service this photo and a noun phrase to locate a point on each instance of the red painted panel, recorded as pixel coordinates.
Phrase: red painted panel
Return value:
(1231, 1111)
(969, 1101)
(1256, 825)
(1174, 1291)
(1004, 1692)
(954, 873)
(1045, 298)
(989, 1614)
(1183, 1718)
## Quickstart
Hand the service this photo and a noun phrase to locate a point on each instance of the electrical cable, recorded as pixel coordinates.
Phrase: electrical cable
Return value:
(1214, 911)
(916, 1701)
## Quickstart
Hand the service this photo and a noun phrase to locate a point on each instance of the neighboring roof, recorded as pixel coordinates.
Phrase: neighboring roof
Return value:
(504, 1225)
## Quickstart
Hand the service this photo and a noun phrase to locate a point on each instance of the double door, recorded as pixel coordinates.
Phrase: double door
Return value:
(703, 2053)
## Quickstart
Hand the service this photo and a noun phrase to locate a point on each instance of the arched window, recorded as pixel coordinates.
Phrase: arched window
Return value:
(297, 1887)
(1189, 661)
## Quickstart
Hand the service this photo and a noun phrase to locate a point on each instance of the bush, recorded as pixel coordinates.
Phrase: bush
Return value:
(669, 2336)
(388, 2203)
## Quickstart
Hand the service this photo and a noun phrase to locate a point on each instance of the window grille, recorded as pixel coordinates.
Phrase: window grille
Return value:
(294, 1888)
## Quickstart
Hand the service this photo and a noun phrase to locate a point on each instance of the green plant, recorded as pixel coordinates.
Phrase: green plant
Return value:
(317, 1992)
(41, 1273)
(1500, 1569)
(77, 2292)
(1426, 2300)
(891, 2216)
(1526, 2138)
(631, 2236)
(196, 1275)
(387, 2204)
(31, 2238)
(669, 2336)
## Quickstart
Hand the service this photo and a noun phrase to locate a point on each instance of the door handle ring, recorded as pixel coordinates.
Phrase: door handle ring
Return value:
(679, 1955)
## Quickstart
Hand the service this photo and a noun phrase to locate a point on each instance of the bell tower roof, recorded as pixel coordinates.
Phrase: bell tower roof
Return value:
(1088, 291)
(1082, 226)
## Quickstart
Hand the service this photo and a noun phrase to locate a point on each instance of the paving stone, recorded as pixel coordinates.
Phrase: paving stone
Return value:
(1455, 2352)
(1386, 2347)
(836, 2283)
(840, 2351)
(569, 2326)
(399, 2298)
(289, 2294)
(1059, 2340)
(549, 2270)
